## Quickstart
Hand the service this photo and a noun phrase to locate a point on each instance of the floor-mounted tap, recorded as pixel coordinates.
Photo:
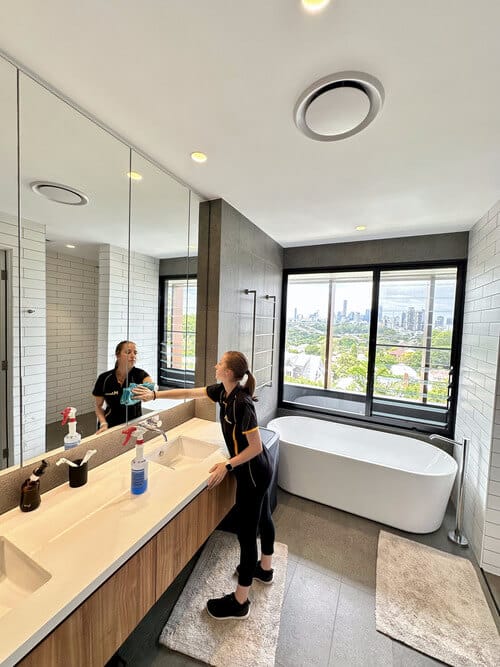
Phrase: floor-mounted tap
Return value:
(457, 535)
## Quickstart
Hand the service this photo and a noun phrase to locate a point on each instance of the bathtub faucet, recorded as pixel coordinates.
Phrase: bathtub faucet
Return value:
(457, 535)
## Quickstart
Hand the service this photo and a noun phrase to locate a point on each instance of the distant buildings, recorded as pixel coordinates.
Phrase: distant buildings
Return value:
(405, 320)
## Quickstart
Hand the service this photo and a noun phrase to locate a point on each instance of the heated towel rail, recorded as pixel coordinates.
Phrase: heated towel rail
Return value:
(263, 337)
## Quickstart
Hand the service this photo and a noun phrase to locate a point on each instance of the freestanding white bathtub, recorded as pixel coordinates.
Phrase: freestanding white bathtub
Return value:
(396, 480)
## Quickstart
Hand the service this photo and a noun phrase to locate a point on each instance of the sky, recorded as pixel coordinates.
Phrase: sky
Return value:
(394, 297)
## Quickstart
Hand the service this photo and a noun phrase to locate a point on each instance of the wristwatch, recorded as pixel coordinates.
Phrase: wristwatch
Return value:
(229, 467)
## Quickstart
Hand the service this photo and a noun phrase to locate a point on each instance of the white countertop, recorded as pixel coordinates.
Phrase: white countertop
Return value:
(62, 534)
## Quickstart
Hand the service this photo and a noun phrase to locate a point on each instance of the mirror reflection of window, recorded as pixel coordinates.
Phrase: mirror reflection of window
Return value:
(177, 332)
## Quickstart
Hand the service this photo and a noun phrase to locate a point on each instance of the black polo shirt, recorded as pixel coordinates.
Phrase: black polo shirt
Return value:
(237, 415)
(108, 386)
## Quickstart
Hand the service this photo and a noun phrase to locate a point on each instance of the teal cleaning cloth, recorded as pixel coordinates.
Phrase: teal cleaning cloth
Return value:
(127, 396)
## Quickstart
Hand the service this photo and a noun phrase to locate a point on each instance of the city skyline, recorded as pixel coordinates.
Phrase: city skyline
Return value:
(388, 307)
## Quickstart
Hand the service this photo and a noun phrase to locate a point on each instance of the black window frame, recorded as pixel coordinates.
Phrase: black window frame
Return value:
(398, 423)
(179, 377)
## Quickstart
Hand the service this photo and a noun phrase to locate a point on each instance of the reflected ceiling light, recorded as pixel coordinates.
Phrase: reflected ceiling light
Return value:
(339, 106)
(68, 245)
(134, 175)
(314, 5)
(360, 228)
(197, 156)
(62, 194)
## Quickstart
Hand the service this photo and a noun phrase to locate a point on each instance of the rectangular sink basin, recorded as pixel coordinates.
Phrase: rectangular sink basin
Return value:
(183, 452)
(19, 576)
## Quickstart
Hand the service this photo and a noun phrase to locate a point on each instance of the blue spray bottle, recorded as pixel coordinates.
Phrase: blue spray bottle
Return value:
(139, 465)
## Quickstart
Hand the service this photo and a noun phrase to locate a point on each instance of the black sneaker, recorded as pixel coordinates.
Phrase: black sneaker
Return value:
(264, 576)
(228, 607)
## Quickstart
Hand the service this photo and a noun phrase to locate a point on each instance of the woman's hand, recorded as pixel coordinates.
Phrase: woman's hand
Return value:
(218, 472)
(102, 428)
(143, 394)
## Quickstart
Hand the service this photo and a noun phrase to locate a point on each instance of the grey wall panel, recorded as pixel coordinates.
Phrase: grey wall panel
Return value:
(240, 256)
(434, 247)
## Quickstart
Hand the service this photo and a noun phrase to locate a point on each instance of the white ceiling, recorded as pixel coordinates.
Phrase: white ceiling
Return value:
(223, 76)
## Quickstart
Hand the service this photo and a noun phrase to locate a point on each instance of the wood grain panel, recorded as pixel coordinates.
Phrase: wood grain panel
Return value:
(94, 631)
(183, 536)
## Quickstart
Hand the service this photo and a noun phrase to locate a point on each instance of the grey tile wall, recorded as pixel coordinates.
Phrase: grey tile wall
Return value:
(239, 256)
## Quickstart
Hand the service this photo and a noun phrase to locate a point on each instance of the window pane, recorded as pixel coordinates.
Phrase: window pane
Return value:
(305, 344)
(351, 299)
(341, 304)
(414, 333)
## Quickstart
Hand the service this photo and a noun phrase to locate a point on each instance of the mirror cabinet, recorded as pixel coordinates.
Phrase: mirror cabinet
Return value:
(98, 245)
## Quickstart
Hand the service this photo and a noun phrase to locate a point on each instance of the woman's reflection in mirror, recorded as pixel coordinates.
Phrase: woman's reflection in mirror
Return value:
(109, 387)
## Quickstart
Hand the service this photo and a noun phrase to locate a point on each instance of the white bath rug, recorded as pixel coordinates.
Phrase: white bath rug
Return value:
(433, 602)
(252, 642)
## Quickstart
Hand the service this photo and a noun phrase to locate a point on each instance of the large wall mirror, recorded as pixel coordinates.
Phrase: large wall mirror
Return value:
(74, 201)
(107, 242)
(10, 426)
(159, 294)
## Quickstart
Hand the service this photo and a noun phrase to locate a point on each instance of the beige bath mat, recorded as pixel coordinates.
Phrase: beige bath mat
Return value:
(190, 630)
(433, 602)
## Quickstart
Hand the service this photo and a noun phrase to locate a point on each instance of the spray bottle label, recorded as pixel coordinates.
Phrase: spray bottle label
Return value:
(139, 482)
(71, 441)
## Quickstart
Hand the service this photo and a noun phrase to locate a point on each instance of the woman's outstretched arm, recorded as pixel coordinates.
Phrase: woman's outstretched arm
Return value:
(145, 394)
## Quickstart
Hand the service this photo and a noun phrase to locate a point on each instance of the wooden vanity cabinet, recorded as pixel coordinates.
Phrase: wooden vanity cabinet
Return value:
(181, 538)
(100, 625)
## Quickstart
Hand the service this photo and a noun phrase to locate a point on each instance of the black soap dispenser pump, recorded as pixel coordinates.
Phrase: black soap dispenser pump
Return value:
(30, 489)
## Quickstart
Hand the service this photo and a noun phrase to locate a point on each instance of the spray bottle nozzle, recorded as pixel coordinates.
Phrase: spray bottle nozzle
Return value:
(68, 414)
(137, 432)
(128, 432)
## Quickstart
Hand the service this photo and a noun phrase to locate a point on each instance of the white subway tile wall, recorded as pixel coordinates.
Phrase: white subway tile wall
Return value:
(33, 338)
(72, 300)
(112, 303)
(143, 310)
(478, 410)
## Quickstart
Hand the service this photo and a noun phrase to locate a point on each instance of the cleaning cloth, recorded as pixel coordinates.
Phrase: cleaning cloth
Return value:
(127, 396)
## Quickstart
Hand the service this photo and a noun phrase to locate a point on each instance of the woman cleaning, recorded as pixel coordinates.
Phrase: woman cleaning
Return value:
(250, 464)
(109, 388)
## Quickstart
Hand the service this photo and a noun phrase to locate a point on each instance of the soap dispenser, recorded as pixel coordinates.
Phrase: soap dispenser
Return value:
(139, 465)
(30, 489)
(72, 438)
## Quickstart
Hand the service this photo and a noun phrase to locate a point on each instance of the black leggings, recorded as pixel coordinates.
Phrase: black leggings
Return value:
(253, 516)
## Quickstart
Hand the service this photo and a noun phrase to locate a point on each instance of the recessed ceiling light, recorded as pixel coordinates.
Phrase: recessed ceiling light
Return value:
(197, 156)
(314, 5)
(360, 228)
(62, 194)
(134, 175)
(68, 245)
(339, 106)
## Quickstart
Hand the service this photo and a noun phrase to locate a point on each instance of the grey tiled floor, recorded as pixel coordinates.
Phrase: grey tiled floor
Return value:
(328, 615)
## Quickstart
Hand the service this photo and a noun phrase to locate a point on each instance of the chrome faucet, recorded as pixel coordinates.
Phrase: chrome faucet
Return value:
(457, 535)
(153, 423)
